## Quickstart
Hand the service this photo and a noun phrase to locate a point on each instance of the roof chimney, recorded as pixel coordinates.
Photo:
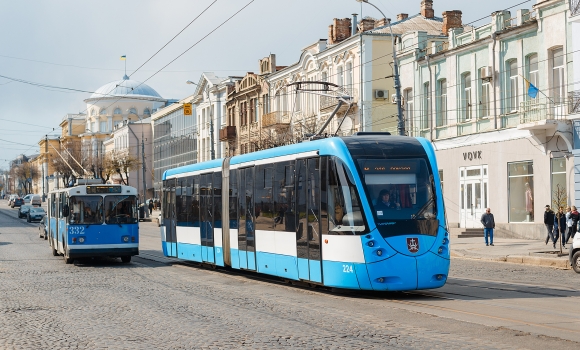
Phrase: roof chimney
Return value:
(354, 23)
(402, 16)
(382, 22)
(451, 19)
(427, 9)
(339, 30)
(366, 24)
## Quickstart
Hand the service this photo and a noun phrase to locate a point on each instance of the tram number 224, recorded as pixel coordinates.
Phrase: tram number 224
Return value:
(347, 268)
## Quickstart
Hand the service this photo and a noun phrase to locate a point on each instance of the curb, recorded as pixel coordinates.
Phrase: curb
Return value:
(559, 263)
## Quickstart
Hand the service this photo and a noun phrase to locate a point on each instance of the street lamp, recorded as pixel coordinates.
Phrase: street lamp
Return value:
(212, 150)
(401, 123)
(142, 160)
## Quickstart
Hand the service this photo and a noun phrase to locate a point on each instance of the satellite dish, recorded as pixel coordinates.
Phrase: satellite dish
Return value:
(346, 126)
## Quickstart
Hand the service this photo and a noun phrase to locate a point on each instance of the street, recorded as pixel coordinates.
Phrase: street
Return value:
(157, 303)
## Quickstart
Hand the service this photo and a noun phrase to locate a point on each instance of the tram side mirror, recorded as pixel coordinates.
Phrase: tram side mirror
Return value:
(65, 211)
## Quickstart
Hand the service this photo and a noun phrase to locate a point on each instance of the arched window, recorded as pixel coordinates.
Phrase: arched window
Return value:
(103, 112)
(117, 111)
(132, 111)
(147, 111)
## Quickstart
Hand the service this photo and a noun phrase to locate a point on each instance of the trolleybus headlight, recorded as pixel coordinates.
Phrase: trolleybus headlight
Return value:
(125, 239)
(371, 244)
(81, 239)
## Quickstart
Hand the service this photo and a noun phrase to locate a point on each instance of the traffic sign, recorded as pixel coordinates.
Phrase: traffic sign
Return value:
(187, 110)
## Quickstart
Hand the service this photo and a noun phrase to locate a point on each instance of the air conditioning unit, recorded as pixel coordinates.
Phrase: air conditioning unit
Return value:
(486, 73)
(394, 99)
(381, 94)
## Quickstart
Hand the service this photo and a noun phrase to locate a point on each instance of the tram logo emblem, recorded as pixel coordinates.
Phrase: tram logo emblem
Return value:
(413, 245)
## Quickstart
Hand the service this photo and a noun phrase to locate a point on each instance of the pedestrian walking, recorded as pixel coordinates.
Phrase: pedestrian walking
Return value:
(549, 222)
(559, 226)
(150, 206)
(569, 224)
(488, 225)
(574, 216)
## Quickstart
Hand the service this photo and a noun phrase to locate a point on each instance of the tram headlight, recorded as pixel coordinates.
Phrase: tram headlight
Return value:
(125, 239)
(440, 250)
(81, 239)
(371, 244)
(379, 252)
(444, 241)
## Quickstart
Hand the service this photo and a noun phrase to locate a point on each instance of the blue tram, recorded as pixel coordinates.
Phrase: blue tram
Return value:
(358, 212)
(93, 221)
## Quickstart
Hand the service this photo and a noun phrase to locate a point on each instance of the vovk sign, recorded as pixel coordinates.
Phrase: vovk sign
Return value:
(472, 155)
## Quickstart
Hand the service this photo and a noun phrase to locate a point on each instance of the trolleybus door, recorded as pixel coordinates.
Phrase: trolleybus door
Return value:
(308, 219)
(169, 218)
(246, 226)
(206, 216)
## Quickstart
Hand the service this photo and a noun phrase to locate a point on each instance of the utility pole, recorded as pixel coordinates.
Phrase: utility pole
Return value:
(44, 180)
(143, 169)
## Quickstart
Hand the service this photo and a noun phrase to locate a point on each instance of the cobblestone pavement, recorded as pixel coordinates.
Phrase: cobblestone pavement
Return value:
(104, 304)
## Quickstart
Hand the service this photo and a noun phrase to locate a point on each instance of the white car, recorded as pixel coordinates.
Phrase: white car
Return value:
(33, 199)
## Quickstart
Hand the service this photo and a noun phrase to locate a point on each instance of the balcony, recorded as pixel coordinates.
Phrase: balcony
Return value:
(276, 119)
(534, 113)
(329, 102)
(228, 133)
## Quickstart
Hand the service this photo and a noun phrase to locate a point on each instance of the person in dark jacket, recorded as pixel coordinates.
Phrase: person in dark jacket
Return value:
(150, 206)
(574, 217)
(559, 226)
(488, 225)
(549, 222)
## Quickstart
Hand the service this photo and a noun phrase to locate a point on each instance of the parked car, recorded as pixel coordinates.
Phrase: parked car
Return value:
(42, 230)
(17, 202)
(35, 214)
(23, 210)
(33, 199)
(11, 199)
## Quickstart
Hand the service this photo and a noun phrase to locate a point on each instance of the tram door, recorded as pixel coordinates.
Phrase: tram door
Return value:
(308, 219)
(207, 218)
(246, 226)
(169, 216)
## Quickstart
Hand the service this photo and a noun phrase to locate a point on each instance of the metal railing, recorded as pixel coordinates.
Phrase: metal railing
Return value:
(277, 118)
(330, 101)
(574, 100)
(574, 7)
(541, 109)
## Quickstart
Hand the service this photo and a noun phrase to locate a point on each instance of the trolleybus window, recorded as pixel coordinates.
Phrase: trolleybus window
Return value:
(120, 210)
(86, 210)
(399, 189)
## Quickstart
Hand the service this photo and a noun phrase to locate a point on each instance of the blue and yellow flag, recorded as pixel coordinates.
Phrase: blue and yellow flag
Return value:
(123, 58)
(532, 90)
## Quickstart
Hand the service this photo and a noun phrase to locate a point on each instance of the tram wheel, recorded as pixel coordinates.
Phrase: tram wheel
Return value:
(576, 262)
(126, 259)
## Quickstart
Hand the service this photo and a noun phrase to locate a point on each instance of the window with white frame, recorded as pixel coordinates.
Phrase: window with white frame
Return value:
(132, 111)
(103, 112)
(103, 127)
(512, 100)
(533, 76)
(442, 103)
(408, 93)
(466, 102)
(117, 111)
(348, 75)
(484, 99)
(339, 76)
(324, 76)
(426, 106)
(146, 111)
(558, 88)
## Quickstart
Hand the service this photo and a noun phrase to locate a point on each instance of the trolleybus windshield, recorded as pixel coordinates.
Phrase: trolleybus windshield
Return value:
(120, 210)
(401, 195)
(86, 210)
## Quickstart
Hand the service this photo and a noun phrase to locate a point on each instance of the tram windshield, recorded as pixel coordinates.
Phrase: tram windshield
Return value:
(399, 188)
(86, 210)
(347, 217)
(121, 210)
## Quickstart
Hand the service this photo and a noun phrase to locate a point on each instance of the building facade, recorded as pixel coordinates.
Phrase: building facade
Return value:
(467, 90)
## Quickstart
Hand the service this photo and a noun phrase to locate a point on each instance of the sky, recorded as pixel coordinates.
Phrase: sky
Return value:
(77, 45)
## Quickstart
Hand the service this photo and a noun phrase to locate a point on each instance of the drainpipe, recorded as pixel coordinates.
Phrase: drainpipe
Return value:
(430, 107)
(493, 80)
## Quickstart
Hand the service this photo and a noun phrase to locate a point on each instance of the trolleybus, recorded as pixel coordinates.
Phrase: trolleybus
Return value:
(358, 212)
(93, 221)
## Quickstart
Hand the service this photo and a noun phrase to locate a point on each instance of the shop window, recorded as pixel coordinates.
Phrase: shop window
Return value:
(521, 191)
(559, 191)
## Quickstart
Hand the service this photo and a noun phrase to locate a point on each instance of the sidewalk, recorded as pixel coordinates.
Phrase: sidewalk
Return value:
(519, 251)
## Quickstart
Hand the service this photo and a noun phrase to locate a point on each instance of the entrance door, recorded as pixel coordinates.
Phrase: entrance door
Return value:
(207, 221)
(169, 220)
(473, 194)
(246, 226)
(308, 219)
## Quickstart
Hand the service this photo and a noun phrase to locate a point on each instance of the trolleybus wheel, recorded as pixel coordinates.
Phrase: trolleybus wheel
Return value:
(576, 262)
(67, 259)
(54, 252)
(126, 259)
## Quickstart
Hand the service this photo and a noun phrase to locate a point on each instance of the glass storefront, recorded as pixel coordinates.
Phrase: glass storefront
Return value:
(174, 144)
(521, 191)
(559, 191)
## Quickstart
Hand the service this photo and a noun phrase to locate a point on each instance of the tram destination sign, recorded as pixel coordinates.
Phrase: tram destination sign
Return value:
(388, 166)
(103, 189)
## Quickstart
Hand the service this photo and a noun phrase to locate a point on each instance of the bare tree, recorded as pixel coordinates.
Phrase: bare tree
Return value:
(25, 173)
(122, 163)
(559, 200)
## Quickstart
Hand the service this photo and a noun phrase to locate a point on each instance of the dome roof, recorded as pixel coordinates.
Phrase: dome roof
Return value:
(125, 87)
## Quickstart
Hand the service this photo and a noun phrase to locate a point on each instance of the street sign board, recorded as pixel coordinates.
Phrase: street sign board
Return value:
(187, 110)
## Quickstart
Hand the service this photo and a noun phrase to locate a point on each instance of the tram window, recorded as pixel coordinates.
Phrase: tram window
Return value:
(86, 210)
(233, 199)
(347, 217)
(324, 222)
(264, 207)
(183, 198)
(283, 195)
(399, 189)
(217, 200)
(120, 210)
(195, 219)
